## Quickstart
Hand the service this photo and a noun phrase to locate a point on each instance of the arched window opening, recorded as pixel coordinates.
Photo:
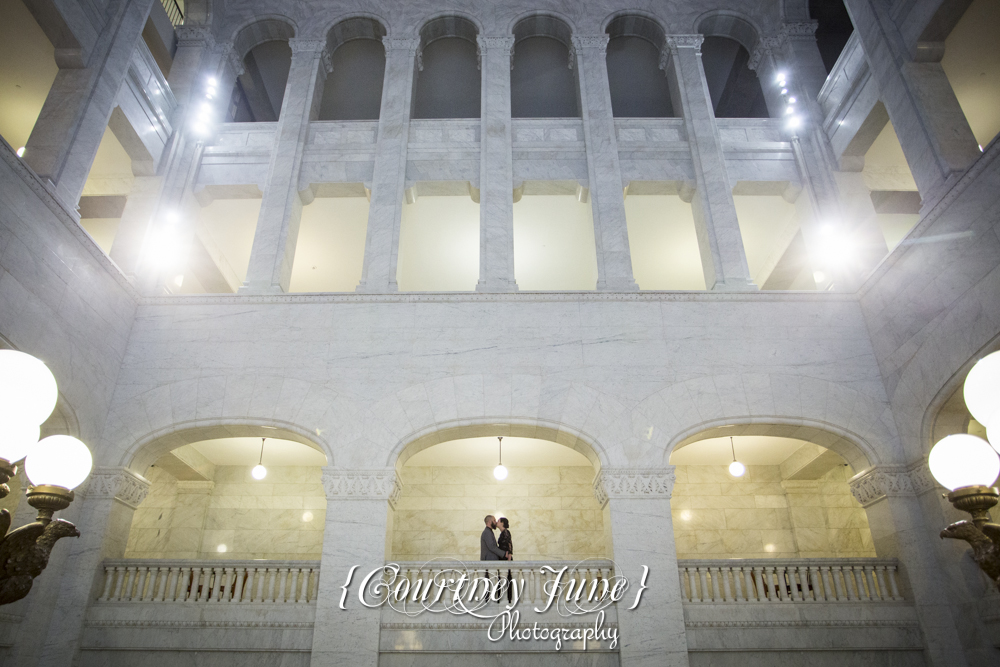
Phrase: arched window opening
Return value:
(260, 90)
(448, 77)
(833, 31)
(639, 88)
(542, 81)
(353, 89)
(733, 86)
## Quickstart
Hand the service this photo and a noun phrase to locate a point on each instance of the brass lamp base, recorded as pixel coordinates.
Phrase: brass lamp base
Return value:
(48, 500)
(981, 533)
(7, 470)
(976, 500)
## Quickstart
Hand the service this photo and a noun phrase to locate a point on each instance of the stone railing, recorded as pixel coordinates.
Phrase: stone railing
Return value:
(535, 574)
(792, 580)
(210, 581)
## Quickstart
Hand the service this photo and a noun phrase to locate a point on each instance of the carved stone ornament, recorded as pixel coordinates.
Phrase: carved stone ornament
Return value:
(194, 35)
(400, 44)
(504, 45)
(675, 42)
(769, 46)
(880, 482)
(119, 483)
(303, 45)
(362, 485)
(634, 483)
(234, 59)
(600, 42)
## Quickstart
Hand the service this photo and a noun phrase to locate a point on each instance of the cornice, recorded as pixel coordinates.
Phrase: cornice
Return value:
(119, 483)
(872, 485)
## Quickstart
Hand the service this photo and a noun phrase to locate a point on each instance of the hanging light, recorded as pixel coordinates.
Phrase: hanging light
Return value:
(500, 472)
(963, 460)
(982, 395)
(28, 392)
(259, 471)
(736, 469)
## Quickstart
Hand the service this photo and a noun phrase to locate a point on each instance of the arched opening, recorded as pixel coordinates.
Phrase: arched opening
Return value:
(448, 76)
(353, 89)
(793, 501)
(734, 87)
(542, 80)
(639, 88)
(449, 487)
(259, 91)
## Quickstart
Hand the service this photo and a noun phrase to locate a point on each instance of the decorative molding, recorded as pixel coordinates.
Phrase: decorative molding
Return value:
(799, 29)
(400, 44)
(304, 45)
(599, 42)
(362, 485)
(234, 60)
(194, 35)
(801, 624)
(874, 484)
(198, 624)
(634, 483)
(675, 42)
(769, 45)
(766, 47)
(118, 483)
(503, 44)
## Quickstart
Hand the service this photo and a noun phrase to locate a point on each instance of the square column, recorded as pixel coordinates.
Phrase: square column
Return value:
(273, 252)
(723, 257)
(496, 169)
(936, 138)
(642, 534)
(64, 141)
(378, 273)
(614, 258)
(357, 507)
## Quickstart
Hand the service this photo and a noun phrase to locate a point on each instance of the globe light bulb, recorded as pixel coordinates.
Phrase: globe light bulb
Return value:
(16, 440)
(28, 391)
(58, 460)
(500, 473)
(258, 472)
(737, 469)
(982, 388)
(963, 460)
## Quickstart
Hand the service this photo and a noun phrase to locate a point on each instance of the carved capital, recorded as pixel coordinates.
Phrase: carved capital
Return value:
(400, 44)
(799, 29)
(675, 42)
(303, 45)
(361, 485)
(634, 483)
(766, 47)
(874, 484)
(502, 45)
(232, 57)
(194, 35)
(119, 483)
(600, 42)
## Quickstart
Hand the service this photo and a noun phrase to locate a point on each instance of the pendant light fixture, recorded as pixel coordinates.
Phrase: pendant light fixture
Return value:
(500, 472)
(259, 471)
(736, 469)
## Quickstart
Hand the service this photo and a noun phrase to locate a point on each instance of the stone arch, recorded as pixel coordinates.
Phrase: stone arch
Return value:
(851, 447)
(448, 78)
(354, 26)
(638, 85)
(542, 81)
(735, 26)
(260, 30)
(353, 87)
(636, 24)
(449, 25)
(142, 453)
(536, 24)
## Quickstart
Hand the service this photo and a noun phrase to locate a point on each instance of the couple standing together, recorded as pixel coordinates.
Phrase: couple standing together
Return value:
(492, 549)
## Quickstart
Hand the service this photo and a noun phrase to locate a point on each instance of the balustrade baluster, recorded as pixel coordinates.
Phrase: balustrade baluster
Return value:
(794, 594)
(129, 583)
(714, 577)
(692, 577)
(761, 589)
(748, 590)
(817, 595)
(205, 583)
(859, 578)
(893, 586)
(152, 580)
(727, 594)
(850, 583)
(838, 573)
(109, 576)
(880, 577)
(702, 577)
(272, 590)
(804, 593)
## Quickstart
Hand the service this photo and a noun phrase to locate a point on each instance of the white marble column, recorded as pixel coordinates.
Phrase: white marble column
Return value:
(889, 494)
(54, 624)
(378, 273)
(357, 507)
(614, 258)
(496, 169)
(723, 257)
(936, 138)
(642, 534)
(65, 138)
(273, 252)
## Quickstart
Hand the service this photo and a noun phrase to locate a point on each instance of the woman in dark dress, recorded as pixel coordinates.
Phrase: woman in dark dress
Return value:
(505, 543)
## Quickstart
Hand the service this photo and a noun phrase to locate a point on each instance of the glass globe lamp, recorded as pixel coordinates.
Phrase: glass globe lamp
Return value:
(28, 391)
(259, 472)
(967, 466)
(500, 472)
(737, 469)
(55, 466)
(982, 389)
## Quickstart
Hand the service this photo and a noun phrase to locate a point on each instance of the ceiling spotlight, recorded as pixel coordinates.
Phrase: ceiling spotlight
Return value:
(784, 91)
(794, 123)
(212, 81)
(736, 469)
(789, 110)
(259, 472)
(500, 472)
(791, 100)
(781, 78)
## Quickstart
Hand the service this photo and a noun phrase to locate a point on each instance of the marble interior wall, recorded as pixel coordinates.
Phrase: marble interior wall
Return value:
(280, 517)
(552, 512)
(763, 516)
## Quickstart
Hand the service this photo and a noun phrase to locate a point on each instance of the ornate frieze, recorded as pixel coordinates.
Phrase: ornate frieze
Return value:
(675, 42)
(362, 485)
(634, 483)
(600, 42)
(119, 483)
(880, 482)
(770, 45)
(194, 35)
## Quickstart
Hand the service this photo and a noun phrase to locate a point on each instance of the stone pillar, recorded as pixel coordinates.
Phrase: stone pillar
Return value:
(378, 273)
(273, 253)
(889, 494)
(642, 535)
(64, 141)
(496, 170)
(936, 138)
(614, 258)
(357, 505)
(723, 258)
(793, 52)
(54, 624)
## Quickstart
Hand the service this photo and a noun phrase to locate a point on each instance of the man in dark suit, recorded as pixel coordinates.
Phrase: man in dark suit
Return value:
(488, 549)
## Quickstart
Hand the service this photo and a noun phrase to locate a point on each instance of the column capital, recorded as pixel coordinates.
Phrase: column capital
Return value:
(194, 35)
(634, 483)
(882, 481)
(378, 484)
(304, 45)
(400, 44)
(769, 46)
(235, 61)
(503, 44)
(581, 42)
(675, 42)
(118, 483)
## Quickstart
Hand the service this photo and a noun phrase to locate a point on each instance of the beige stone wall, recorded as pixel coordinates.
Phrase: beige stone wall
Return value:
(552, 512)
(760, 515)
(279, 517)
